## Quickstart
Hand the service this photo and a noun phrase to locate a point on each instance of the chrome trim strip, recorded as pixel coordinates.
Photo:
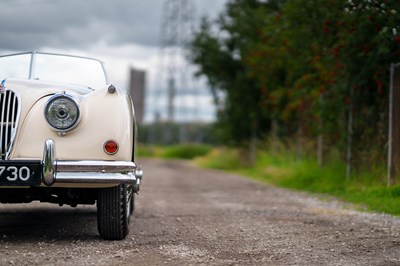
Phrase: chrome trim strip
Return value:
(95, 166)
(17, 99)
(6, 116)
(3, 152)
(96, 178)
(58, 54)
(80, 172)
(32, 66)
(49, 169)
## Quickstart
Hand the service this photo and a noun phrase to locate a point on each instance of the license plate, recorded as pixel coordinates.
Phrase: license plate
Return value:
(20, 173)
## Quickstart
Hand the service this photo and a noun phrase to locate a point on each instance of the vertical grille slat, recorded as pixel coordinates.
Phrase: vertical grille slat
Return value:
(9, 106)
(7, 121)
(2, 118)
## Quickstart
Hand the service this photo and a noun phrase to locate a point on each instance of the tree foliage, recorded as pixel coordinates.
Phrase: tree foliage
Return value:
(297, 63)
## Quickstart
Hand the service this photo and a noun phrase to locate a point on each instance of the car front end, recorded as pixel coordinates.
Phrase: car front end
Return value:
(68, 144)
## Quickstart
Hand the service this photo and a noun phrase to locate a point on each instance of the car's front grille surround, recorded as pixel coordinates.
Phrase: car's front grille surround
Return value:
(9, 118)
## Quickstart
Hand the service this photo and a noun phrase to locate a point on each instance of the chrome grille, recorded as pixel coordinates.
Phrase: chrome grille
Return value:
(9, 116)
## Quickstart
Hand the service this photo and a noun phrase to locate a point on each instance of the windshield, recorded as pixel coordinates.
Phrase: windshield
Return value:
(54, 67)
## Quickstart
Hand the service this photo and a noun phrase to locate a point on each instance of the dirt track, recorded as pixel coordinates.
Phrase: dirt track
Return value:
(185, 215)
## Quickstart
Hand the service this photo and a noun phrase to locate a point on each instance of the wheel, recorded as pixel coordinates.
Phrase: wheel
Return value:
(113, 212)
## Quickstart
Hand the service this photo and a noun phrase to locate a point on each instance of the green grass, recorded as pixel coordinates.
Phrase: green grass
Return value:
(367, 190)
(183, 151)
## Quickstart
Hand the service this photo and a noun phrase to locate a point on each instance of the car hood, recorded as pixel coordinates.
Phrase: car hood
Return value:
(38, 88)
(30, 91)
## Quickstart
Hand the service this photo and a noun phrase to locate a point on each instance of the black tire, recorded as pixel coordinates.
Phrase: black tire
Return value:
(131, 194)
(113, 208)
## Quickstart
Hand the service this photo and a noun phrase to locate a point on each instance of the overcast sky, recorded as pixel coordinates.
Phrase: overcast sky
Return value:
(122, 33)
(79, 24)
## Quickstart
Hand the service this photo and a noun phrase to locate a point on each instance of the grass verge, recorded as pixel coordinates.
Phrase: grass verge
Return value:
(365, 189)
(182, 151)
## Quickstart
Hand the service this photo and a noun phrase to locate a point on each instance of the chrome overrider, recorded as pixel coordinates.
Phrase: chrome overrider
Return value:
(99, 172)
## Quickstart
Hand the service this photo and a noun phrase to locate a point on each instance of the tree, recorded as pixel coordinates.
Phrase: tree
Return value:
(220, 57)
(314, 68)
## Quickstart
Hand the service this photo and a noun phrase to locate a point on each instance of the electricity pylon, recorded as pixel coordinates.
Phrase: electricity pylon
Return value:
(175, 75)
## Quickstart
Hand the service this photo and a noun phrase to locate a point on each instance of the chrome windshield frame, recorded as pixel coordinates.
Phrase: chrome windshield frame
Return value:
(32, 65)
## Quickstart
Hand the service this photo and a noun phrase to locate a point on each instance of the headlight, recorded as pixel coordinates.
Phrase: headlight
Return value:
(62, 112)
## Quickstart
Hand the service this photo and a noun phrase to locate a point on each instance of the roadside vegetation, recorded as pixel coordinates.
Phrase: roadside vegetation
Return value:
(306, 70)
(178, 151)
(280, 166)
(311, 75)
(367, 189)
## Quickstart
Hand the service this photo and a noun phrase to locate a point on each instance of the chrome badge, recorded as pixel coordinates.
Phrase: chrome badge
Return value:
(2, 86)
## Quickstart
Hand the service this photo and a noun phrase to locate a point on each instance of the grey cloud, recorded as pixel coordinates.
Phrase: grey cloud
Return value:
(77, 24)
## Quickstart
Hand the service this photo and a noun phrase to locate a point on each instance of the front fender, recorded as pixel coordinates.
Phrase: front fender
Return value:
(104, 116)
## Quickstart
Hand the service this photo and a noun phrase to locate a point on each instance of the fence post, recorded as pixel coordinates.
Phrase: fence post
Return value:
(320, 140)
(394, 125)
(349, 136)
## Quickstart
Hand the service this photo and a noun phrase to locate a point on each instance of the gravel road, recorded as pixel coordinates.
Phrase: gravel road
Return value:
(190, 216)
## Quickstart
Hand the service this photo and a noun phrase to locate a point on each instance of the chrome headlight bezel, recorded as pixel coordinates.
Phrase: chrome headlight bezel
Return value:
(74, 103)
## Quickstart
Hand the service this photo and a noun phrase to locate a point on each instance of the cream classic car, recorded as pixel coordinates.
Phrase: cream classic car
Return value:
(67, 137)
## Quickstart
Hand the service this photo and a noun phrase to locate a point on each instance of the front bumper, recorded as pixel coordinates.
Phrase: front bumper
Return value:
(91, 172)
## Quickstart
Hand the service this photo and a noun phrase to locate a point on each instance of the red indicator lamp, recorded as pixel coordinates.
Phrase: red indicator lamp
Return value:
(111, 147)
